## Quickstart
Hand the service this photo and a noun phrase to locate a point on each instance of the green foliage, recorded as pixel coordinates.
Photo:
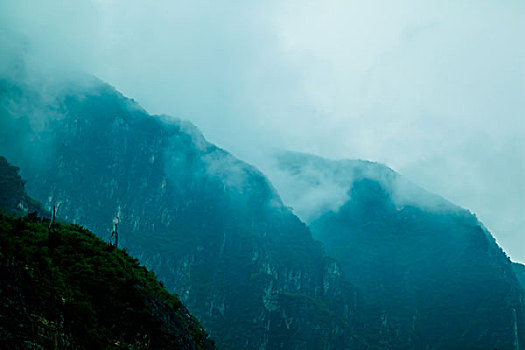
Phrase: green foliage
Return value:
(105, 295)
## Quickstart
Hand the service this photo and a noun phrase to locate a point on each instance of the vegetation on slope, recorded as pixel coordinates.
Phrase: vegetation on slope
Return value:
(79, 291)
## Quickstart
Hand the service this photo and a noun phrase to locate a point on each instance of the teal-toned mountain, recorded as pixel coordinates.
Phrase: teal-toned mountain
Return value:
(519, 269)
(64, 288)
(428, 270)
(427, 274)
(13, 197)
(211, 226)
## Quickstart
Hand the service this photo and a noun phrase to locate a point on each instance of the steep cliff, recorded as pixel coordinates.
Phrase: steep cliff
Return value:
(211, 226)
(13, 197)
(431, 275)
(519, 269)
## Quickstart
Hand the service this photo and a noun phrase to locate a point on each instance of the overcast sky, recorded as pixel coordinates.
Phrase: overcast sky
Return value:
(433, 89)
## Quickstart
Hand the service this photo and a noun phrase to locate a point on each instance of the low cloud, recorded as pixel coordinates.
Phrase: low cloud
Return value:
(433, 89)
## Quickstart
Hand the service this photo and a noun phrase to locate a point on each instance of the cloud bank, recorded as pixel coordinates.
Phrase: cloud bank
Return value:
(433, 89)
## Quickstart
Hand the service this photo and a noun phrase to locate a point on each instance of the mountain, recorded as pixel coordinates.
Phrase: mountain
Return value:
(429, 270)
(211, 226)
(13, 198)
(76, 291)
(412, 270)
(519, 269)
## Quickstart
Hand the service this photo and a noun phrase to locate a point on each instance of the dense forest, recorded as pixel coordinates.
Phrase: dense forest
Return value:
(64, 287)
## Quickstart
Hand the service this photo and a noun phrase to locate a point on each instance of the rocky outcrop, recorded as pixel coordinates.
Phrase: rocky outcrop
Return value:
(13, 198)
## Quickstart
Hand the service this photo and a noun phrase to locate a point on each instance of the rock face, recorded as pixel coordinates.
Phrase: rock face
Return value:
(519, 269)
(211, 226)
(13, 198)
(77, 292)
(431, 275)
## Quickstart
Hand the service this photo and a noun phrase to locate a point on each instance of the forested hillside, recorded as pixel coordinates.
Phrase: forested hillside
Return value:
(64, 288)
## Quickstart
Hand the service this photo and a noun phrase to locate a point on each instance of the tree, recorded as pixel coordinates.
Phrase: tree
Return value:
(52, 233)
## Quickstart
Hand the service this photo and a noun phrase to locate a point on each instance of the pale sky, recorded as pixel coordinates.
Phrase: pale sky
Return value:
(433, 89)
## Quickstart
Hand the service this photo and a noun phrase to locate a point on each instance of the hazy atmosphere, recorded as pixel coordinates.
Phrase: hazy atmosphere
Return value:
(434, 90)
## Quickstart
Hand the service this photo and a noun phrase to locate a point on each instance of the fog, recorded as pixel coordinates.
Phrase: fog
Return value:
(434, 90)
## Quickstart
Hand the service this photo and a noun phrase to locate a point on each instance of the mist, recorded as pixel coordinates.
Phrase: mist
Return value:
(434, 90)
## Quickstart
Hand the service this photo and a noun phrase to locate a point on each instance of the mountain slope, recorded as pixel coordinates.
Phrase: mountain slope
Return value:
(519, 269)
(76, 291)
(211, 226)
(430, 273)
(13, 198)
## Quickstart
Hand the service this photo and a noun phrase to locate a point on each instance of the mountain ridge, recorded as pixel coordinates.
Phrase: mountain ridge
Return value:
(211, 226)
(399, 252)
(218, 234)
(316, 171)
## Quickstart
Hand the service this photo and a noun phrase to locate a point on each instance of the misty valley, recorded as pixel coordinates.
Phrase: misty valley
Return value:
(209, 255)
